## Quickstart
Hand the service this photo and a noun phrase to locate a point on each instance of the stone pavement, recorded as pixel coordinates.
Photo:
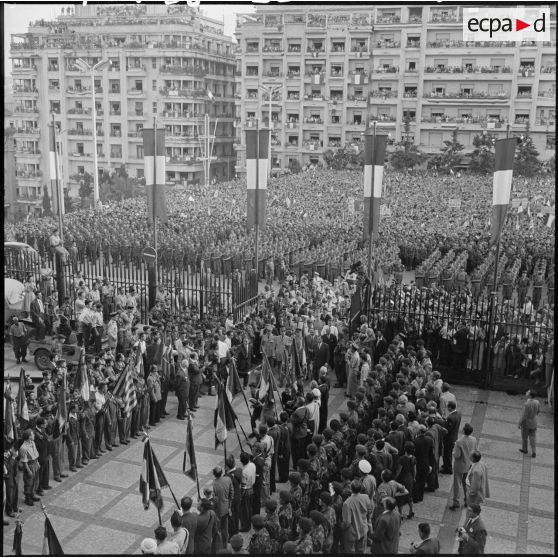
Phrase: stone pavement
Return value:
(98, 510)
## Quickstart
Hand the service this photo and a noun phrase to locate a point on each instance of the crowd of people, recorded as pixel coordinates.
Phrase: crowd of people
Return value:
(349, 479)
(312, 217)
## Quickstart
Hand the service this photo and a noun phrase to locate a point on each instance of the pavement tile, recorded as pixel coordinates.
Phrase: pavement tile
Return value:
(505, 492)
(33, 528)
(533, 550)
(432, 508)
(501, 428)
(540, 529)
(545, 456)
(100, 540)
(494, 412)
(503, 398)
(498, 545)
(130, 510)
(541, 499)
(497, 448)
(493, 517)
(174, 430)
(85, 497)
(542, 475)
(135, 451)
(545, 436)
(116, 473)
(505, 469)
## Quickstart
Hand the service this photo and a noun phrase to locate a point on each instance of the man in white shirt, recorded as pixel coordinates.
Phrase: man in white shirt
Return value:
(97, 326)
(445, 397)
(86, 320)
(112, 331)
(246, 492)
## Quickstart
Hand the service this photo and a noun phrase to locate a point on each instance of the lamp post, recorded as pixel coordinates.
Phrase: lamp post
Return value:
(270, 90)
(83, 66)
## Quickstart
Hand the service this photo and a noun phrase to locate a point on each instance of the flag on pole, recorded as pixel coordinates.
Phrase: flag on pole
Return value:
(18, 536)
(81, 383)
(126, 389)
(51, 546)
(54, 169)
(520, 209)
(234, 385)
(504, 150)
(154, 162)
(374, 154)
(224, 416)
(22, 408)
(190, 452)
(152, 478)
(10, 430)
(529, 210)
(210, 95)
(61, 414)
(256, 175)
(549, 220)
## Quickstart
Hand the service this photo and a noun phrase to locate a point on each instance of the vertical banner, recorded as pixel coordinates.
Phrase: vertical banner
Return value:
(54, 169)
(256, 175)
(155, 162)
(374, 155)
(504, 151)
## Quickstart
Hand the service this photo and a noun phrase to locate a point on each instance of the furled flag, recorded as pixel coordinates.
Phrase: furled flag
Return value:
(10, 430)
(224, 418)
(81, 382)
(54, 166)
(152, 478)
(265, 387)
(374, 154)
(234, 385)
(190, 452)
(529, 210)
(18, 536)
(22, 408)
(288, 202)
(61, 415)
(256, 175)
(154, 172)
(504, 150)
(126, 390)
(51, 546)
(549, 220)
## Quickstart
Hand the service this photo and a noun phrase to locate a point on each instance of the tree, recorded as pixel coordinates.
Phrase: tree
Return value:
(119, 186)
(294, 166)
(482, 158)
(407, 154)
(449, 156)
(343, 158)
(527, 161)
(47, 209)
(86, 186)
(68, 206)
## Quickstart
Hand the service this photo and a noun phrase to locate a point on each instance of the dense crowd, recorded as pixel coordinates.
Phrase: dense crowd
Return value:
(348, 479)
(313, 217)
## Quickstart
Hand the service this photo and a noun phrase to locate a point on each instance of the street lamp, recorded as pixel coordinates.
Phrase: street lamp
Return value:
(270, 90)
(83, 66)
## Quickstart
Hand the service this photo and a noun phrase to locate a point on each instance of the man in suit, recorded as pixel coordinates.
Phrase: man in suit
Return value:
(380, 347)
(424, 453)
(462, 451)
(472, 536)
(321, 357)
(223, 492)
(429, 546)
(386, 530)
(528, 423)
(453, 421)
(37, 310)
(477, 480)
(189, 522)
(244, 359)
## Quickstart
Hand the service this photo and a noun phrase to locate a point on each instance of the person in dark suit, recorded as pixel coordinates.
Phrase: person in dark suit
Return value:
(472, 536)
(189, 522)
(429, 546)
(244, 359)
(424, 452)
(453, 421)
(321, 357)
(37, 310)
(380, 347)
(386, 530)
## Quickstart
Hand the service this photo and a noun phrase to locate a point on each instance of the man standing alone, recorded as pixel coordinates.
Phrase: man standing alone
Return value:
(528, 423)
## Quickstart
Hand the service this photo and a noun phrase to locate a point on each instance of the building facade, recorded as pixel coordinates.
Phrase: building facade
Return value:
(328, 67)
(168, 62)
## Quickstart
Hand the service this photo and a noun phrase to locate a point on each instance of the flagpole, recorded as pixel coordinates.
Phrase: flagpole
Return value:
(189, 428)
(257, 217)
(242, 390)
(370, 248)
(153, 189)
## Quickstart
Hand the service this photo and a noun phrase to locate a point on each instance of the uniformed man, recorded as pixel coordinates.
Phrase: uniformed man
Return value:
(18, 334)
(522, 288)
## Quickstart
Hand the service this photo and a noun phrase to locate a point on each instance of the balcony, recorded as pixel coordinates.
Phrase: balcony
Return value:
(135, 135)
(114, 91)
(272, 74)
(24, 69)
(312, 145)
(316, 53)
(79, 111)
(386, 70)
(473, 122)
(334, 143)
(525, 95)
(135, 70)
(115, 134)
(53, 90)
(468, 70)
(470, 44)
(21, 152)
(293, 75)
(78, 90)
(316, 21)
(136, 93)
(80, 132)
(449, 18)
(359, 52)
(28, 175)
(28, 131)
(78, 155)
(313, 121)
(273, 49)
(387, 20)
(466, 96)
(358, 100)
(294, 49)
(25, 92)
(27, 110)
(414, 19)
(292, 145)
(387, 44)
(293, 98)
(361, 20)
(353, 124)
(183, 71)
(190, 93)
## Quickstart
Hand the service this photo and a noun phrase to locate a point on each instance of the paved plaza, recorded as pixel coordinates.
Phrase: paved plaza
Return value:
(98, 510)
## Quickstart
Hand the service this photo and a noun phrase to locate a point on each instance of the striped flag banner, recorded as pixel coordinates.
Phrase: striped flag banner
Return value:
(10, 430)
(51, 545)
(190, 453)
(504, 150)
(81, 383)
(61, 414)
(152, 478)
(256, 175)
(374, 155)
(549, 221)
(126, 389)
(54, 166)
(154, 162)
(225, 416)
(22, 408)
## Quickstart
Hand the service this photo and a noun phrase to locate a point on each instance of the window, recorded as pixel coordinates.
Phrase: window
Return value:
(139, 151)
(154, 85)
(79, 148)
(77, 84)
(154, 63)
(139, 128)
(466, 90)
(81, 170)
(550, 141)
(440, 63)
(409, 115)
(139, 85)
(100, 150)
(335, 119)
(357, 119)
(412, 65)
(252, 70)
(440, 89)
(116, 152)
(139, 108)
(154, 107)
(79, 126)
(524, 91)
(293, 140)
(139, 173)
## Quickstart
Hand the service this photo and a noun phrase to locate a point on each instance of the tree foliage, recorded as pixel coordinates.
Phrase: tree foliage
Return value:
(527, 161)
(118, 186)
(450, 155)
(86, 186)
(407, 155)
(295, 166)
(343, 158)
(482, 158)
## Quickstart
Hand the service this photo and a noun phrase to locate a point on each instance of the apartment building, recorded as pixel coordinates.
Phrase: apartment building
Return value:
(165, 61)
(325, 68)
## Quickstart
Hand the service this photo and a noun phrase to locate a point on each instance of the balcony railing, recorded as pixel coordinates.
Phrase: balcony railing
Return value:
(293, 97)
(182, 92)
(469, 44)
(183, 70)
(414, 19)
(382, 118)
(28, 174)
(115, 134)
(460, 120)
(22, 151)
(294, 48)
(384, 94)
(468, 70)
(135, 69)
(524, 95)
(313, 120)
(356, 98)
(312, 145)
(460, 95)
(24, 68)
(136, 92)
(272, 48)
(80, 132)
(293, 74)
(354, 123)
(388, 19)
(28, 131)
(550, 69)
(78, 90)
(551, 94)
(269, 73)
(27, 110)
(74, 110)
(135, 134)
(19, 89)
(439, 18)
(388, 44)
(386, 70)
(410, 94)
